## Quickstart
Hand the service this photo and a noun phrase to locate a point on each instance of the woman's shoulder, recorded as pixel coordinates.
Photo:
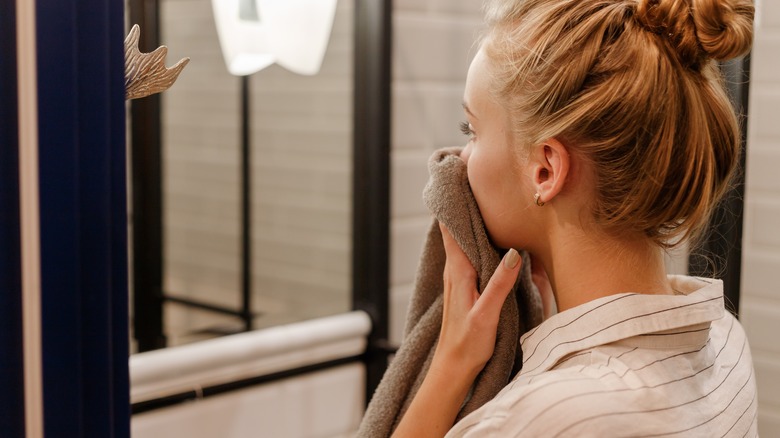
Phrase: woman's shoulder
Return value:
(636, 390)
(541, 405)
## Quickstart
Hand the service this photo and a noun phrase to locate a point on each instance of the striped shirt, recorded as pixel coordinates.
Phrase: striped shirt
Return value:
(630, 365)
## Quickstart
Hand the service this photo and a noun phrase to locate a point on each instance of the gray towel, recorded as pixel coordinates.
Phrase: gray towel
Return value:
(449, 197)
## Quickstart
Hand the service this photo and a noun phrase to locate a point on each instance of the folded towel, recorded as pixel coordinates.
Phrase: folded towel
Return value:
(449, 197)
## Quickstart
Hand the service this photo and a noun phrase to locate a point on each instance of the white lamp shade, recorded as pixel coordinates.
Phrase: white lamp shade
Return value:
(292, 33)
(244, 43)
(300, 31)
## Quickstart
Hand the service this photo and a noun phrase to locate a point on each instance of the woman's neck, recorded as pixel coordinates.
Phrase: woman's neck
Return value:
(583, 268)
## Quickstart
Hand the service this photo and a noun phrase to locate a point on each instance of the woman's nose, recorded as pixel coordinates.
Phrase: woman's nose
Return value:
(466, 153)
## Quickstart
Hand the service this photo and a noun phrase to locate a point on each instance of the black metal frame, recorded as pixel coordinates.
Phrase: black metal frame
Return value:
(720, 253)
(371, 187)
(246, 207)
(371, 176)
(146, 163)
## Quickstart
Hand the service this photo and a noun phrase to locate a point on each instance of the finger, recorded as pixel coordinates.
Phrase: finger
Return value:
(456, 258)
(500, 284)
(459, 278)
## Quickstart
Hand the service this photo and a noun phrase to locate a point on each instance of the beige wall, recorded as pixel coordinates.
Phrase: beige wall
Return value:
(760, 298)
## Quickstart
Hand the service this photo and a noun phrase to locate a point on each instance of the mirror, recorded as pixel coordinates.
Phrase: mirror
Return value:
(298, 216)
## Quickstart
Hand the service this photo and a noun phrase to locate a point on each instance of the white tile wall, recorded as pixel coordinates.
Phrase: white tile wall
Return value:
(446, 7)
(434, 41)
(760, 297)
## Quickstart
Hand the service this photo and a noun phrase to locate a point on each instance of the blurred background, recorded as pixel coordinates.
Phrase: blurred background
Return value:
(275, 219)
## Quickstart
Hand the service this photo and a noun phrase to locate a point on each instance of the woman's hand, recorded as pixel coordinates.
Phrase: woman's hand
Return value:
(466, 342)
(470, 321)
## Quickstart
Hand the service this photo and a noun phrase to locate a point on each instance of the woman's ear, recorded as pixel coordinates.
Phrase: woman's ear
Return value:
(551, 167)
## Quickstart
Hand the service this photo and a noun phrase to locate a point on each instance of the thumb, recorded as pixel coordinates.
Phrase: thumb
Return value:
(501, 282)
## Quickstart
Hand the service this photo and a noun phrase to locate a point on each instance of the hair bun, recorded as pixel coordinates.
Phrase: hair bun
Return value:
(718, 29)
(724, 27)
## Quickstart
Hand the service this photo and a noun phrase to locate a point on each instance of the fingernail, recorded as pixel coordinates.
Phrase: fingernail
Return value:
(511, 259)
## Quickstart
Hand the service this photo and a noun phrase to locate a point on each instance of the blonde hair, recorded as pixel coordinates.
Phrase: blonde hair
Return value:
(631, 85)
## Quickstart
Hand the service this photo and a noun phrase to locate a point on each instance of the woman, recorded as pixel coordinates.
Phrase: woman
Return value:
(599, 136)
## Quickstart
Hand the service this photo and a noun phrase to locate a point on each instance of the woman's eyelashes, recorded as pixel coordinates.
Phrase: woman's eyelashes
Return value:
(466, 129)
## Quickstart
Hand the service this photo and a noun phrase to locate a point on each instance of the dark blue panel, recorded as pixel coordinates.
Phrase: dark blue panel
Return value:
(83, 217)
(103, 213)
(59, 198)
(95, 215)
(11, 356)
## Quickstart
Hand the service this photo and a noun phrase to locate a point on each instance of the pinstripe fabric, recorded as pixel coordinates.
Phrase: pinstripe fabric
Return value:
(630, 365)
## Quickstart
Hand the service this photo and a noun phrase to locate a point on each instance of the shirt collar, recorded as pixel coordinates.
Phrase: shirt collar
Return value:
(620, 317)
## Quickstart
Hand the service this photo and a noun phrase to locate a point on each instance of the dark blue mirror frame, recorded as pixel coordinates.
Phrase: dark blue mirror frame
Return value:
(11, 362)
(80, 109)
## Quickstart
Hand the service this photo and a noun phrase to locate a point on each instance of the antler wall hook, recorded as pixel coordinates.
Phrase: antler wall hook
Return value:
(145, 73)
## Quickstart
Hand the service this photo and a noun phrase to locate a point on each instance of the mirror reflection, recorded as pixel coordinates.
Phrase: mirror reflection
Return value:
(298, 236)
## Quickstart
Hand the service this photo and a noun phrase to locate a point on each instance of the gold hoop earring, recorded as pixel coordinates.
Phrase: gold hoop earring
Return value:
(537, 201)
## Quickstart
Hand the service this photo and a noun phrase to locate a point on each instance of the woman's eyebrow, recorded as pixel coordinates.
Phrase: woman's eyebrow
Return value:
(466, 107)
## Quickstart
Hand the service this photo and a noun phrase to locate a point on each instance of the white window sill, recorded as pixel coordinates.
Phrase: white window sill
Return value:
(169, 371)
